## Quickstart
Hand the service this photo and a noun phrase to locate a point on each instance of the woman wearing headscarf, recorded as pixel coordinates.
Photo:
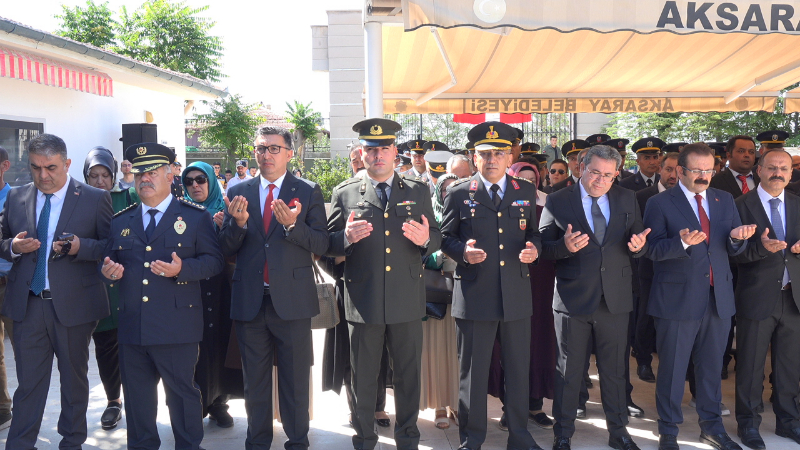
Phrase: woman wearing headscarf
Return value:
(440, 370)
(100, 170)
(543, 336)
(217, 382)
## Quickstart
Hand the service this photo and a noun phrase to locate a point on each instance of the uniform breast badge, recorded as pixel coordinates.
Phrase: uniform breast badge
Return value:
(125, 232)
(180, 225)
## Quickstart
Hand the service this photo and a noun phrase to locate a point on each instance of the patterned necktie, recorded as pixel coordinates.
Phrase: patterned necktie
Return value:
(151, 227)
(706, 226)
(382, 189)
(38, 281)
(496, 196)
(599, 221)
(267, 220)
(745, 187)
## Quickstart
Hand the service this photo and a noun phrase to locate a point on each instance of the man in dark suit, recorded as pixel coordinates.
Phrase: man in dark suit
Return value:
(739, 178)
(158, 252)
(592, 224)
(644, 342)
(489, 229)
(573, 151)
(384, 224)
(694, 231)
(766, 306)
(274, 223)
(55, 298)
(648, 155)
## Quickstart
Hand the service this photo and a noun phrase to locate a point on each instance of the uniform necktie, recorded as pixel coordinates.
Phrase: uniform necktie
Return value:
(745, 187)
(649, 182)
(382, 188)
(496, 195)
(599, 221)
(706, 226)
(267, 221)
(38, 281)
(151, 227)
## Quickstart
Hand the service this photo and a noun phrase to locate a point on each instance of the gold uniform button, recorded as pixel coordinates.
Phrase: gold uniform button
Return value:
(120, 247)
(386, 232)
(388, 268)
(147, 264)
(501, 246)
(145, 282)
(179, 244)
(499, 230)
(112, 285)
(388, 250)
(385, 215)
(499, 214)
(502, 263)
(145, 299)
(148, 248)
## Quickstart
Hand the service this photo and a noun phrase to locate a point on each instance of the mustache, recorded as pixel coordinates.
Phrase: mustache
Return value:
(146, 184)
(777, 177)
(700, 181)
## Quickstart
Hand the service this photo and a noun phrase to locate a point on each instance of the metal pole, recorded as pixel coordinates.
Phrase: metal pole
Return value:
(373, 48)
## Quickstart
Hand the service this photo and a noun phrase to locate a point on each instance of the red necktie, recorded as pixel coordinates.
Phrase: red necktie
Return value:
(267, 220)
(706, 226)
(745, 187)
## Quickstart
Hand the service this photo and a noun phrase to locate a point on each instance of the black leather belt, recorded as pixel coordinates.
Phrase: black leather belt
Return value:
(44, 295)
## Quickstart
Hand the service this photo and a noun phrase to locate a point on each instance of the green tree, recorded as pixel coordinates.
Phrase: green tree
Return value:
(231, 125)
(93, 24)
(171, 35)
(327, 173)
(306, 123)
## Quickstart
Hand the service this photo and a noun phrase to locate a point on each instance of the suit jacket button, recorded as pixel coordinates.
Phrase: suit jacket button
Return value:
(145, 299)
(385, 215)
(148, 248)
(706, 275)
(147, 264)
(145, 282)
(602, 269)
(388, 250)
(500, 230)
(501, 246)
(388, 268)
(179, 244)
(502, 263)
(499, 214)
(386, 232)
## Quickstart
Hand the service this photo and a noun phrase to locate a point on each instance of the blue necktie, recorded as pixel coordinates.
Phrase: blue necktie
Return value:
(775, 218)
(38, 281)
(151, 227)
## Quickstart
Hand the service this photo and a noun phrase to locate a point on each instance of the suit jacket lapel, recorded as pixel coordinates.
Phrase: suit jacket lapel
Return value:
(70, 201)
(613, 210)
(368, 193)
(682, 204)
(577, 208)
(30, 209)
(733, 185)
(713, 212)
(253, 196)
(288, 190)
(510, 193)
(136, 223)
(792, 209)
(753, 203)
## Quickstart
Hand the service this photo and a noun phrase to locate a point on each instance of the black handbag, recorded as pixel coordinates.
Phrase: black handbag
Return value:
(438, 287)
(435, 310)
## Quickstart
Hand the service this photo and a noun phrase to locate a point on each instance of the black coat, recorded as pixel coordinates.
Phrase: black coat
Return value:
(637, 182)
(725, 181)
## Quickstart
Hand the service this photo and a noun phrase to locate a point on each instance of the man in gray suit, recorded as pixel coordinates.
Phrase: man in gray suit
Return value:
(384, 224)
(273, 224)
(55, 298)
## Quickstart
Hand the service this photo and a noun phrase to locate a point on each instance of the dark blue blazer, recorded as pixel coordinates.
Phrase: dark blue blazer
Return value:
(681, 277)
(636, 182)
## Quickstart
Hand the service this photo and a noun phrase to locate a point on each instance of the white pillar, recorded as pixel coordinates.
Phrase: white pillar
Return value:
(373, 57)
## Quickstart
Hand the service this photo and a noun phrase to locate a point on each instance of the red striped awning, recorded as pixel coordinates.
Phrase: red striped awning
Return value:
(25, 66)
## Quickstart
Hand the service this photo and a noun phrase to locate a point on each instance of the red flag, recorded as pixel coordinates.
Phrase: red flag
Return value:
(469, 118)
(515, 118)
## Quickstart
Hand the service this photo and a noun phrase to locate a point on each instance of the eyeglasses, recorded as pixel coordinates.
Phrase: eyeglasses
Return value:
(602, 176)
(488, 155)
(200, 180)
(700, 172)
(274, 149)
(558, 171)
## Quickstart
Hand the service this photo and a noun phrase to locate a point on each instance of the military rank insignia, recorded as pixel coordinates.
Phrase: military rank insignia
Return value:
(523, 224)
(125, 232)
(515, 184)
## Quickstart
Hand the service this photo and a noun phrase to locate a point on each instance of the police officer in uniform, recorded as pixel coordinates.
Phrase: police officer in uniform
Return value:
(158, 252)
(384, 224)
(490, 230)
(648, 152)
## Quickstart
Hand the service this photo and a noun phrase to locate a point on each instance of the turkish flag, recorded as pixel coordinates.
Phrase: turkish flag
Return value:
(469, 118)
(515, 118)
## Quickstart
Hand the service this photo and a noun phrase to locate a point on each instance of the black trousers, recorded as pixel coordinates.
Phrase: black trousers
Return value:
(37, 339)
(262, 341)
(475, 340)
(610, 333)
(782, 330)
(404, 341)
(644, 343)
(380, 400)
(142, 366)
(106, 350)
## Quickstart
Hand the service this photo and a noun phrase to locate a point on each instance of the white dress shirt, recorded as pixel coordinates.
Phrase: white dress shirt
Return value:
(645, 178)
(693, 203)
(161, 207)
(751, 184)
(765, 197)
(661, 188)
(488, 185)
(264, 191)
(602, 202)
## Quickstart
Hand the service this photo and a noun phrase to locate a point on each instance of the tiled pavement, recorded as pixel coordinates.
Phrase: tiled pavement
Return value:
(330, 430)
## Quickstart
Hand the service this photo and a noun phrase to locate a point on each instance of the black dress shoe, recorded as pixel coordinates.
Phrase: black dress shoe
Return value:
(561, 443)
(541, 420)
(580, 413)
(751, 438)
(503, 424)
(719, 441)
(219, 412)
(668, 442)
(793, 434)
(385, 423)
(589, 384)
(464, 447)
(111, 416)
(622, 443)
(645, 373)
(634, 410)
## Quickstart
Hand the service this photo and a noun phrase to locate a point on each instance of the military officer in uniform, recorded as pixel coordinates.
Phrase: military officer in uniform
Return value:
(572, 151)
(648, 152)
(490, 230)
(436, 156)
(416, 149)
(384, 224)
(158, 252)
(674, 147)
(596, 139)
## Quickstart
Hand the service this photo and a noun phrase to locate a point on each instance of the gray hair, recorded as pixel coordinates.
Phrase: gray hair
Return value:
(282, 132)
(454, 159)
(605, 152)
(48, 145)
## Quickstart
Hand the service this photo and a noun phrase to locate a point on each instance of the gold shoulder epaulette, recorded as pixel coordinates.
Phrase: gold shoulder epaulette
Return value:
(192, 204)
(134, 205)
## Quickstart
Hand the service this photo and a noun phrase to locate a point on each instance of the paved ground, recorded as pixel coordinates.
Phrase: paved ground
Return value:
(330, 430)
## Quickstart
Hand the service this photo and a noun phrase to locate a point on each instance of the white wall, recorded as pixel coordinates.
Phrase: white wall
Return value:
(87, 120)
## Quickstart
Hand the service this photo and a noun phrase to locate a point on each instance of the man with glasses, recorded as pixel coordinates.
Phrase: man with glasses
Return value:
(489, 229)
(383, 223)
(648, 155)
(591, 230)
(572, 150)
(694, 230)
